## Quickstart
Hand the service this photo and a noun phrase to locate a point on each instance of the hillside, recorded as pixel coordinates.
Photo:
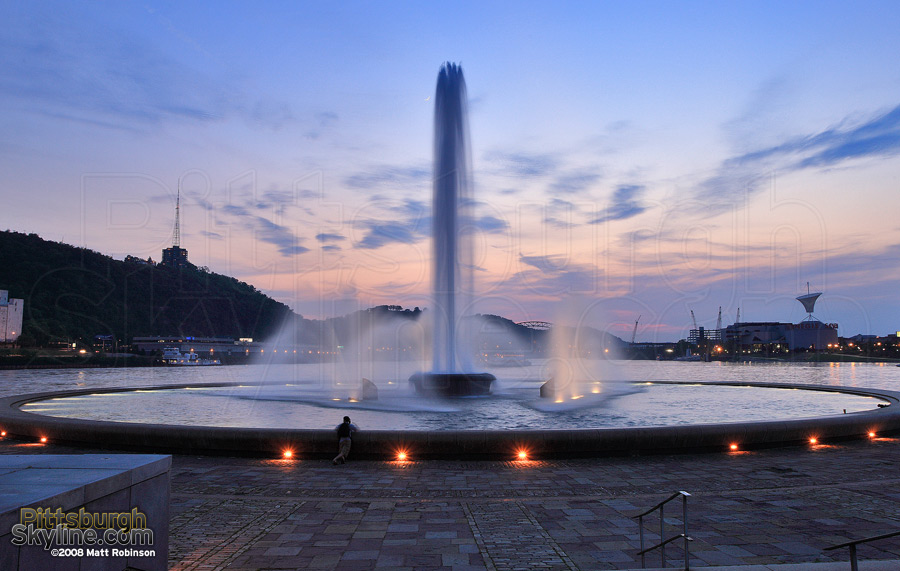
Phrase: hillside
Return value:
(74, 293)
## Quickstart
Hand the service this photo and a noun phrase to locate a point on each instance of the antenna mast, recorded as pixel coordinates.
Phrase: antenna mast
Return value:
(176, 238)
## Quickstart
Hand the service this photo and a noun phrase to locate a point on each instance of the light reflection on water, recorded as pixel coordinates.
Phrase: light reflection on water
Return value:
(303, 399)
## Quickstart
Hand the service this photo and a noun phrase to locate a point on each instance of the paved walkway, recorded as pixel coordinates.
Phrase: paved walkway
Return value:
(762, 508)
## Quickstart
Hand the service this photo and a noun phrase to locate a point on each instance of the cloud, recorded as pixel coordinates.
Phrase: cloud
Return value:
(551, 276)
(306, 193)
(403, 222)
(322, 121)
(263, 229)
(412, 209)
(574, 280)
(556, 209)
(521, 164)
(547, 264)
(759, 124)
(271, 115)
(55, 69)
(326, 237)
(290, 250)
(281, 236)
(490, 224)
(390, 177)
(382, 233)
(232, 209)
(557, 204)
(279, 200)
(574, 183)
(852, 265)
(624, 204)
(877, 137)
(409, 222)
(738, 176)
(94, 122)
(80, 70)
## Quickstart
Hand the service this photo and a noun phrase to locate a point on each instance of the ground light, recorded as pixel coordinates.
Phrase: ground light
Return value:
(2, 433)
(733, 447)
(871, 434)
(288, 454)
(43, 439)
(401, 456)
(813, 440)
(522, 455)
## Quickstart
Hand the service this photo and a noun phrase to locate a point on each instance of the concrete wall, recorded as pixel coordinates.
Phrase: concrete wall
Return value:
(96, 483)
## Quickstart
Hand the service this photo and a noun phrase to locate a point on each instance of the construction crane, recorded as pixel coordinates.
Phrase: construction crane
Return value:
(719, 320)
(738, 320)
(694, 320)
(634, 333)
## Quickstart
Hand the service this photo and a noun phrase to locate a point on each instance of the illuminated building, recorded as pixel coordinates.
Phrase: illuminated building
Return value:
(10, 317)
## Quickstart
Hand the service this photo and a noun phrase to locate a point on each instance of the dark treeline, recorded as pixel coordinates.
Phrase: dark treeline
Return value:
(74, 293)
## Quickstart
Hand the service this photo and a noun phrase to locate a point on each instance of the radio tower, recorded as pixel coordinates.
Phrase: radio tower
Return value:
(176, 256)
(176, 238)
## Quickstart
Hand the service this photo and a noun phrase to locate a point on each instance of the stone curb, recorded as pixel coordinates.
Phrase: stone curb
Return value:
(384, 444)
(892, 565)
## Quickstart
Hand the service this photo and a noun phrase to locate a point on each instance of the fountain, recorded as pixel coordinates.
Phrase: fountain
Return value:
(451, 246)
(201, 413)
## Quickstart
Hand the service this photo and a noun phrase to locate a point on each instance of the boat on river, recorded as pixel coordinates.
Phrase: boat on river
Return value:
(174, 357)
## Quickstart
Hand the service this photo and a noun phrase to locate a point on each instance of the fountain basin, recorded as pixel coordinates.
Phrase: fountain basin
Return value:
(452, 384)
(481, 444)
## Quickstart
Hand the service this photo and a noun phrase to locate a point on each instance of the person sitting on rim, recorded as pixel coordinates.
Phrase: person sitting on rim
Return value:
(344, 432)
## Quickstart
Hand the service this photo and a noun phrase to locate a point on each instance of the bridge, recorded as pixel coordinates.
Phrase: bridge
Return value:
(536, 325)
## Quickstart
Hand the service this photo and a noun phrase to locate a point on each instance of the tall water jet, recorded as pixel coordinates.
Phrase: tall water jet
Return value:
(451, 246)
(451, 207)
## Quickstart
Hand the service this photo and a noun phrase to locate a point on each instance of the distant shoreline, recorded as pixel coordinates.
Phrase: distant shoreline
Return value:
(25, 362)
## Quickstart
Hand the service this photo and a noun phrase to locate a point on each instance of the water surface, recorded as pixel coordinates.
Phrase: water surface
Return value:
(317, 396)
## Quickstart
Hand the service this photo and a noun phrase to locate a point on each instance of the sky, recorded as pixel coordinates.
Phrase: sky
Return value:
(632, 160)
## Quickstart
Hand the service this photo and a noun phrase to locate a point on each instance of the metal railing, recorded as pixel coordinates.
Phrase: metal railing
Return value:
(854, 565)
(662, 522)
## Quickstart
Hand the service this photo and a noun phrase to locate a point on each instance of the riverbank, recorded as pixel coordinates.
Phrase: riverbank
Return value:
(58, 360)
(811, 358)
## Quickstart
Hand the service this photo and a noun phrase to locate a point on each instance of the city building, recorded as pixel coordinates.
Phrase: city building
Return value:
(104, 344)
(703, 336)
(756, 336)
(774, 337)
(811, 334)
(175, 257)
(220, 345)
(226, 346)
(10, 317)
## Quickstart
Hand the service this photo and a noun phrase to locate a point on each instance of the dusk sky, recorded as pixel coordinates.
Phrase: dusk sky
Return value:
(630, 158)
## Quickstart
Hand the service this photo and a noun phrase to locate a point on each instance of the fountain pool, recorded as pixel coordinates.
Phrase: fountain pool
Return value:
(297, 412)
(295, 405)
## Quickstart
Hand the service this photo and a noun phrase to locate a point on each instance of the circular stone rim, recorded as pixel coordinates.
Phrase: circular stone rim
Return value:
(485, 444)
